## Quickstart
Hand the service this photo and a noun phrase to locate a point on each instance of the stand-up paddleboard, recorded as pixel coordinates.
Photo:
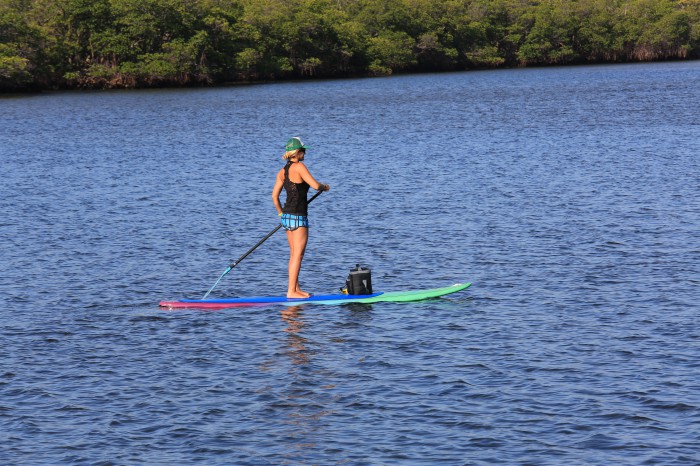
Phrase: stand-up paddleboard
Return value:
(393, 296)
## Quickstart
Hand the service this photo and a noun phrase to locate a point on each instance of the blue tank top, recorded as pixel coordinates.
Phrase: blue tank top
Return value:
(296, 202)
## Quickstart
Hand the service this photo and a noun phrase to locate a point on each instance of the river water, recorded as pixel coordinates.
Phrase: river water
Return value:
(567, 196)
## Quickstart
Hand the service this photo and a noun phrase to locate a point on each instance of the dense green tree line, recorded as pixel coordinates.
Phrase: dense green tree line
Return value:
(133, 43)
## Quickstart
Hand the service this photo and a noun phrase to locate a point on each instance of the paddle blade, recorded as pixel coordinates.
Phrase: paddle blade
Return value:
(228, 269)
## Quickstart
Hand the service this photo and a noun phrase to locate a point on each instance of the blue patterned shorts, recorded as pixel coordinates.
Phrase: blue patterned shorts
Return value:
(291, 222)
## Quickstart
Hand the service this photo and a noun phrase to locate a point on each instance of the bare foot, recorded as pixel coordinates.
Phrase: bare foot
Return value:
(298, 294)
(299, 290)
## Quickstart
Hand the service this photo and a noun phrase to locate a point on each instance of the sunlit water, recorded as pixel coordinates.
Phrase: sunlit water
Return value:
(568, 196)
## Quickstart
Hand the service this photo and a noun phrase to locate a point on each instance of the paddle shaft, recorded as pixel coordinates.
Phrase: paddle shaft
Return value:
(237, 261)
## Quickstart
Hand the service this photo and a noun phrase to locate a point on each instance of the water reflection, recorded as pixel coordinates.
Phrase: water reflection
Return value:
(296, 344)
(359, 309)
(303, 403)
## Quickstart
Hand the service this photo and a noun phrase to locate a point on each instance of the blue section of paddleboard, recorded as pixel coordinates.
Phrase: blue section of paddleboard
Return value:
(281, 299)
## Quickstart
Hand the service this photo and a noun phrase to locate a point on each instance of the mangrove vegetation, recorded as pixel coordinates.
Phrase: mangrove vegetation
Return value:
(46, 44)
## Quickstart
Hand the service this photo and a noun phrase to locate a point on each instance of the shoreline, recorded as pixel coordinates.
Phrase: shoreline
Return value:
(307, 79)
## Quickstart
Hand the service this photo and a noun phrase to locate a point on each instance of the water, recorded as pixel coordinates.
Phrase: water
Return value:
(568, 196)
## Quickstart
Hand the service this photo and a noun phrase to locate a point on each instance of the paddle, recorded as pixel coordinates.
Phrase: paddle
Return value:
(237, 261)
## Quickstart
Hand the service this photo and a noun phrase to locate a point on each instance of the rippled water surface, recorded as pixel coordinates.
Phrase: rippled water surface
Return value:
(568, 196)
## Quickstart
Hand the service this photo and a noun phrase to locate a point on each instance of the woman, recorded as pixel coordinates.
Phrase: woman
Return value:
(296, 181)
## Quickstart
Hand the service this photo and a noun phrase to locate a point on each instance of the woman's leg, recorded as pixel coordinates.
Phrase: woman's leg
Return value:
(297, 246)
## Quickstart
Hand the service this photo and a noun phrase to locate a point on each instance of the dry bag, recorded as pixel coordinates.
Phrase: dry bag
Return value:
(359, 281)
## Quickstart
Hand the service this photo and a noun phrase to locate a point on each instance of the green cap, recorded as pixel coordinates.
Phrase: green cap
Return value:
(294, 144)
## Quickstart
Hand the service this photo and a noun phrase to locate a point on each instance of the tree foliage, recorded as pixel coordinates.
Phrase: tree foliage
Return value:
(137, 43)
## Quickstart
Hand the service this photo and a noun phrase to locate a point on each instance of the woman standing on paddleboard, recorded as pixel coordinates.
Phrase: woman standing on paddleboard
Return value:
(296, 180)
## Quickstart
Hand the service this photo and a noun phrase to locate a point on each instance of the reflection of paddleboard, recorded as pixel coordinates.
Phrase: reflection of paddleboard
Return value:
(393, 296)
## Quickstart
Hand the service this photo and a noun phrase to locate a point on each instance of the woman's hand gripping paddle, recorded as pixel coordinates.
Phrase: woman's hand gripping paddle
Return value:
(237, 261)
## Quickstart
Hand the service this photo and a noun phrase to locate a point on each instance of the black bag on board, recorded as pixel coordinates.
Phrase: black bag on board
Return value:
(359, 281)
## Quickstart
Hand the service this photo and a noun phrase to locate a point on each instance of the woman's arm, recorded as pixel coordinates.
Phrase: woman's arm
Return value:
(306, 176)
(276, 190)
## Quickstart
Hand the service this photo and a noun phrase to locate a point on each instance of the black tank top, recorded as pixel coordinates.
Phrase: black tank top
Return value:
(296, 202)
